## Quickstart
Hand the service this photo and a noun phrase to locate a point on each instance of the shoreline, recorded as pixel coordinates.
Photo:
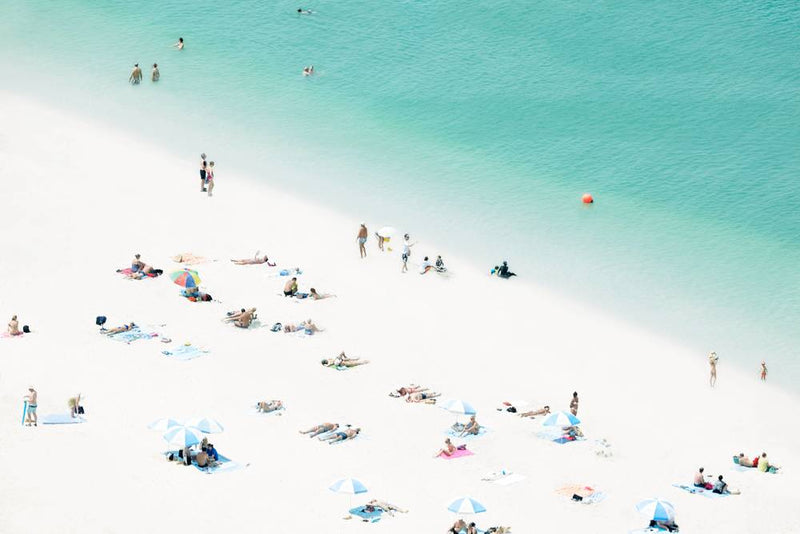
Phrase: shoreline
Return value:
(467, 336)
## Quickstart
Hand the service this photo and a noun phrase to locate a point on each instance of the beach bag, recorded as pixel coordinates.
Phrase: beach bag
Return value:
(26, 329)
(576, 497)
(276, 327)
(100, 320)
(80, 410)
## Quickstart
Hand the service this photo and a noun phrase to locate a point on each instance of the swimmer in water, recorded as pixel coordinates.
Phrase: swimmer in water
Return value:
(308, 71)
(302, 11)
(179, 44)
(136, 75)
(156, 75)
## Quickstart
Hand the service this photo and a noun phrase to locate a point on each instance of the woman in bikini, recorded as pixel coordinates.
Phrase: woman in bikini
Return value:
(317, 296)
(534, 413)
(123, 328)
(271, 406)
(407, 390)
(423, 396)
(447, 450)
(254, 261)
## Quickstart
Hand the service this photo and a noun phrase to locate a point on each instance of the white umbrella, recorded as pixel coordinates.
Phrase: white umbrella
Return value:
(387, 231)
(205, 424)
(466, 505)
(458, 407)
(656, 509)
(183, 436)
(164, 424)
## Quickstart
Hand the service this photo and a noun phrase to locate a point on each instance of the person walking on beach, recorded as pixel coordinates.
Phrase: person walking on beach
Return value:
(712, 361)
(573, 404)
(30, 415)
(210, 178)
(203, 168)
(407, 244)
(362, 239)
(155, 74)
(136, 75)
(763, 371)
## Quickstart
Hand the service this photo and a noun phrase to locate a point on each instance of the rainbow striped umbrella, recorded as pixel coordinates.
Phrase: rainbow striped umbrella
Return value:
(186, 278)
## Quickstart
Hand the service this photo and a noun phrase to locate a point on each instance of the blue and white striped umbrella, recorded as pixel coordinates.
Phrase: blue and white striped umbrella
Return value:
(348, 485)
(561, 419)
(458, 406)
(656, 509)
(205, 424)
(183, 436)
(164, 424)
(466, 505)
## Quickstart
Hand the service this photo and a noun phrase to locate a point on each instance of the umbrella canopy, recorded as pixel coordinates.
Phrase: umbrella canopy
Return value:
(561, 419)
(205, 424)
(466, 505)
(387, 231)
(183, 436)
(348, 485)
(185, 278)
(656, 509)
(458, 406)
(164, 424)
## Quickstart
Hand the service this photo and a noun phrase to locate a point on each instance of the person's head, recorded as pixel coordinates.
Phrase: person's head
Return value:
(324, 362)
(203, 156)
(294, 279)
(505, 263)
(763, 454)
(439, 257)
(472, 525)
(701, 469)
(211, 164)
(31, 389)
(155, 65)
(719, 478)
(426, 258)
(136, 65)
(406, 236)
(180, 39)
(574, 394)
(741, 455)
(14, 318)
(547, 408)
(137, 256)
(472, 418)
(447, 440)
(312, 291)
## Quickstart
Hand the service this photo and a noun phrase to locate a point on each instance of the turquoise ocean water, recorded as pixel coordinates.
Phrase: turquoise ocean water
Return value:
(478, 125)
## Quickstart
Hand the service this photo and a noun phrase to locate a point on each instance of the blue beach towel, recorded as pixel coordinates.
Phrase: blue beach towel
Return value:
(700, 491)
(466, 437)
(223, 465)
(60, 419)
(372, 517)
(132, 335)
(184, 352)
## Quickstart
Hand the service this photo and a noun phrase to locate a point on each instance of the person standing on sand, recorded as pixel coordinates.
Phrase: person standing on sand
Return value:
(712, 361)
(155, 75)
(203, 167)
(573, 404)
(362, 239)
(407, 244)
(210, 178)
(30, 415)
(763, 371)
(136, 75)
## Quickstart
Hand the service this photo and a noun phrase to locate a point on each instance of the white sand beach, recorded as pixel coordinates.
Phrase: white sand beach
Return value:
(79, 198)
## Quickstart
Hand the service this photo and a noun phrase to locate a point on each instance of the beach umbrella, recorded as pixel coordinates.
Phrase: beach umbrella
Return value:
(205, 424)
(466, 505)
(350, 486)
(656, 509)
(164, 424)
(186, 278)
(562, 419)
(387, 231)
(458, 407)
(183, 436)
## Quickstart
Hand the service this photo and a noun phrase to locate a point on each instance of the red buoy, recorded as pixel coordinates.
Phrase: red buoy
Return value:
(587, 198)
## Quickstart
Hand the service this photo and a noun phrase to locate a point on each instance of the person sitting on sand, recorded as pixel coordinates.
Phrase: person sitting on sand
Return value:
(425, 266)
(407, 390)
(315, 431)
(424, 397)
(213, 455)
(75, 407)
(440, 268)
(137, 264)
(254, 261)
(448, 449)
(386, 507)
(747, 462)
(699, 480)
(117, 330)
(664, 524)
(319, 296)
(721, 487)
(472, 427)
(458, 527)
(271, 406)
(343, 361)
(13, 327)
(202, 459)
(533, 413)
(764, 466)
(342, 435)
(472, 529)
(572, 432)
(290, 288)
(503, 271)
(243, 318)
(307, 326)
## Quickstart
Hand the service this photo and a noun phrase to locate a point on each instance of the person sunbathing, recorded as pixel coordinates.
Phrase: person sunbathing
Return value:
(243, 318)
(254, 261)
(498, 530)
(457, 527)
(271, 406)
(572, 432)
(666, 524)
(407, 390)
(386, 507)
(307, 326)
(117, 330)
(533, 413)
(188, 258)
(747, 462)
(319, 296)
(343, 361)
(472, 427)
(343, 435)
(13, 327)
(447, 450)
(423, 396)
(764, 466)
(320, 429)
(721, 487)
(202, 459)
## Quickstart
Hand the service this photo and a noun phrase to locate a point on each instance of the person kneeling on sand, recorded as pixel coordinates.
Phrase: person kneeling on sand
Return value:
(13, 327)
(423, 396)
(271, 406)
(320, 429)
(290, 288)
(472, 427)
(343, 361)
(342, 435)
(541, 411)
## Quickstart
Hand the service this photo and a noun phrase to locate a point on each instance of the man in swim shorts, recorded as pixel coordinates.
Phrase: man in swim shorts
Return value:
(362, 239)
(136, 75)
(203, 168)
(33, 399)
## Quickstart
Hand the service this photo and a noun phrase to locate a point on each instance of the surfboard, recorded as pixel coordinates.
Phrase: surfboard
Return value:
(24, 411)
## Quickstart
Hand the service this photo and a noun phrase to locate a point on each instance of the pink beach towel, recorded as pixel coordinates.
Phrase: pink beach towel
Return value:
(129, 271)
(460, 453)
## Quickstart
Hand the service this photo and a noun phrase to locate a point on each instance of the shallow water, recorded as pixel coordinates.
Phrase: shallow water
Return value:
(479, 125)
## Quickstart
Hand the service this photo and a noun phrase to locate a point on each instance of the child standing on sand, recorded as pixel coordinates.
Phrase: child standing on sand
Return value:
(763, 371)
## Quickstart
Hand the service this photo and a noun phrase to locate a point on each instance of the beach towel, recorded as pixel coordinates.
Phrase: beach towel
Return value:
(647, 530)
(466, 437)
(700, 491)
(128, 272)
(372, 517)
(459, 453)
(60, 419)
(557, 437)
(184, 352)
(223, 465)
(132, 335)
(6, 334)
(511, 478)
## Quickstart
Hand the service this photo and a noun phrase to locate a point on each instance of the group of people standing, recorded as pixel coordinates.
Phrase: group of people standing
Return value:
(136, 74)
(425, 266)
(206, 175)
